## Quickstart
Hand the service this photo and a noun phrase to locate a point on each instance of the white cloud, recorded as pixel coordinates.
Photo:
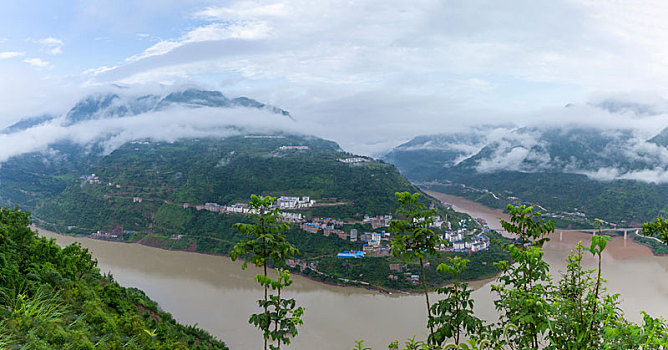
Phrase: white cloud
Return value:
(36, 62)
(50, 45)
(166, 125)
(242, 11)
(657, 175)
(11, 54)
(211, 32)
(490, 56)
(560, 42)
(374, 73)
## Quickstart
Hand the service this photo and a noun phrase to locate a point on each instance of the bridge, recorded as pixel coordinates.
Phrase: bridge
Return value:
(594, 231)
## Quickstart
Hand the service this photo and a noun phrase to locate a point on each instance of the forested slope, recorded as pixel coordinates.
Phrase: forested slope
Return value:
(52, 297)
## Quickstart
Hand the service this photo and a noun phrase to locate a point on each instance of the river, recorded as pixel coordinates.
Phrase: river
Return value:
(218, 295)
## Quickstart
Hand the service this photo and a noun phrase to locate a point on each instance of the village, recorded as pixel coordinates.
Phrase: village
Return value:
(375, 243)
(371, 231)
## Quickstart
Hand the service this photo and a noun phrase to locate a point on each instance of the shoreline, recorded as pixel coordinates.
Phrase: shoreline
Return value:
(370, 287)
(473, 208)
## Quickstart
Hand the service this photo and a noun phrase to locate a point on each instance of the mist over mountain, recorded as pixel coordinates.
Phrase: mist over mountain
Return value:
(600, 153)
(108, 120)
(661, 139)
(612, 173)
(118, 105)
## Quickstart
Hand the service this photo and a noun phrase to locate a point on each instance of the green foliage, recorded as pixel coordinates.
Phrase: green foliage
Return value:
(52, 297)
(359, 345)
(523, 287)
(283, 315)
(413, 239)
(527, 224)
(453, 315)
(264, 243)
(658, 227)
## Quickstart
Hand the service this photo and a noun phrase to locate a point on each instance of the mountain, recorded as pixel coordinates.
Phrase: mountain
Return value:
(609, 174)
(117, 105)
(223, 171)
(27, 123)
(661, 138)
(112, 105)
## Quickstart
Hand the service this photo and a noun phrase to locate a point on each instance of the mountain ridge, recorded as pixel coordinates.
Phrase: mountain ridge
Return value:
(117, 105)
(610, 174)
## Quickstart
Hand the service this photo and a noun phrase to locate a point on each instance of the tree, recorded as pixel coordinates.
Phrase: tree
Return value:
(264, 243)
(413, 237)
(283, 314)
(453, 315)
(523, 286)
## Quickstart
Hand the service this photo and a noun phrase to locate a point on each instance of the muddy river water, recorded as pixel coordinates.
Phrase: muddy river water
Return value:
(215, 293)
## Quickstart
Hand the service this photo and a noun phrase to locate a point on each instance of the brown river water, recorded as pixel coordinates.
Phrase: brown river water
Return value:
(219, 296)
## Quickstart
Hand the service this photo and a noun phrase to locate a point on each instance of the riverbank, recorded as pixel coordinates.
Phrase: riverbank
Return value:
(632, 246)
(328, 280)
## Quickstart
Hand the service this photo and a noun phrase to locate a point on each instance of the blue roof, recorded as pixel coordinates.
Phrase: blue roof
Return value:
(353, 254)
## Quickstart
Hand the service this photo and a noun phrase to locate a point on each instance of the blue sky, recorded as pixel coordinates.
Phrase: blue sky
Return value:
(415, 67)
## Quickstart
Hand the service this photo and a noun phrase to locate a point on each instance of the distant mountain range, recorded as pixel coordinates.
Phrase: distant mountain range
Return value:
(610, 174)
(117, 105)
(218, 167)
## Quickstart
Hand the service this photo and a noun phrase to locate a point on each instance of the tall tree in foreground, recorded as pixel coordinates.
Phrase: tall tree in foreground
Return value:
(453, 315)
(264, 243)
(523, 287)
(413, 237)
(284, 315)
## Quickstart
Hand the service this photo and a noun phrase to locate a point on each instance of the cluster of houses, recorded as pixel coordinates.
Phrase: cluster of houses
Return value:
(301, 264)
(377, 221)
(285, 202)
(105, 236)
(399, 268)
(243, 208)
(91, 179)
(353, 160)
(327, 229)
(293, 147)
(464, 240)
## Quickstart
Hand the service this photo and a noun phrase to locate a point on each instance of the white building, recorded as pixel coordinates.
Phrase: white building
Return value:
(286, 202)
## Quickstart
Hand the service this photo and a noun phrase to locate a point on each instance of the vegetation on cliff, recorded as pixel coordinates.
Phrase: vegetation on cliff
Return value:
(53, 297)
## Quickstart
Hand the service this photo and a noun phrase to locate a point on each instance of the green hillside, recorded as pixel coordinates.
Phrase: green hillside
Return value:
(53, 298)
(223, 171)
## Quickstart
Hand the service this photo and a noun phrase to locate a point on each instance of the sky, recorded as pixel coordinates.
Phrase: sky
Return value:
(368, 74)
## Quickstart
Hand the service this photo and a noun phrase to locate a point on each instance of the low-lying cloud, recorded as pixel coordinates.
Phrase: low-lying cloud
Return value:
(169, 125)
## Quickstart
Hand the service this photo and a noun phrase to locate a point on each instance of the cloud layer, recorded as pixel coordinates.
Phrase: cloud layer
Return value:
(370, 74)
